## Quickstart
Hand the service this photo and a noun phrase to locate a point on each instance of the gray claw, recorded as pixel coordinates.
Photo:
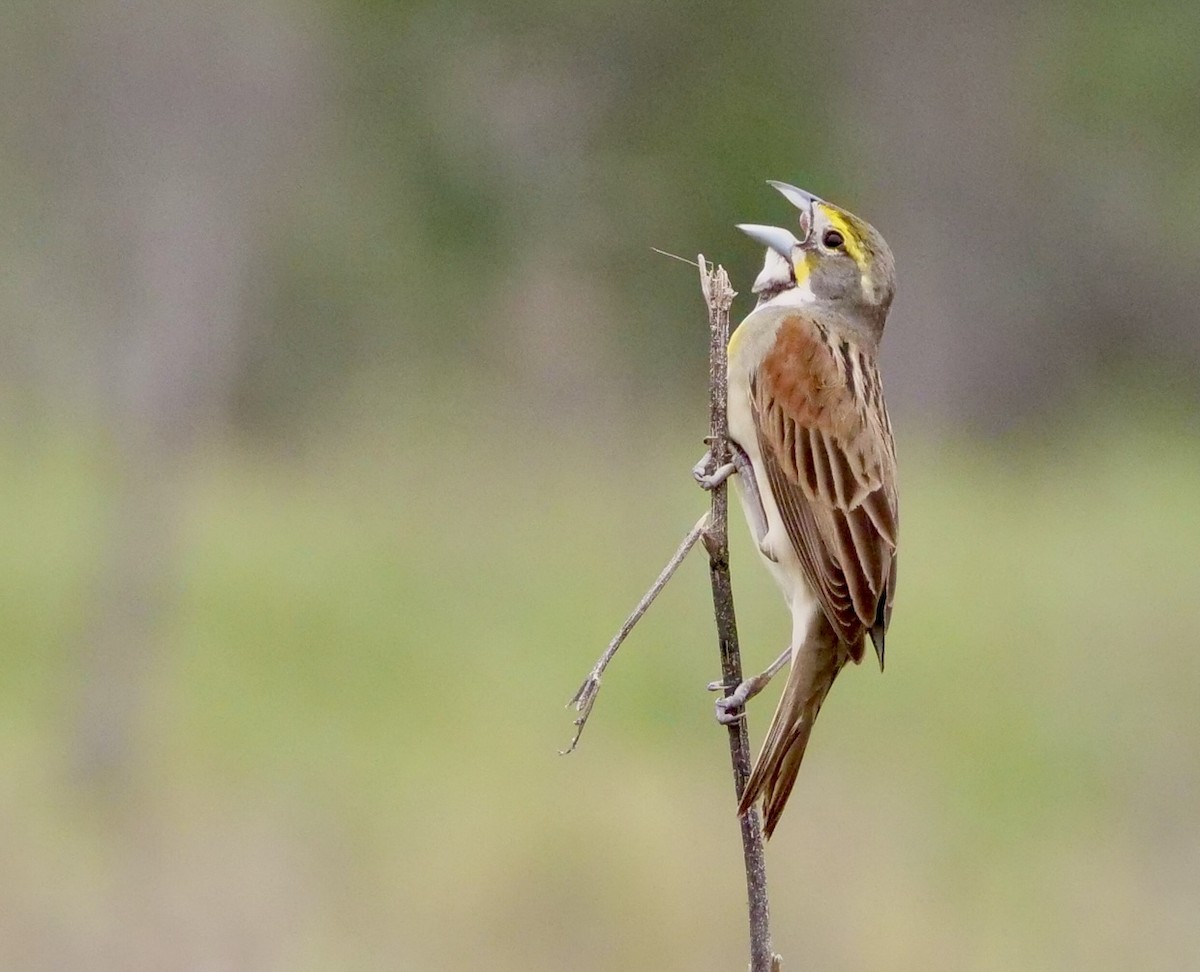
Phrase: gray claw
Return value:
(737, 699)
(726, 717)
(730, 708)
(750, 687)
(715, 480)
(712, 480)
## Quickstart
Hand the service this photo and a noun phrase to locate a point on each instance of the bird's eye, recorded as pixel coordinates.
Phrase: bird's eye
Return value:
(832, 239)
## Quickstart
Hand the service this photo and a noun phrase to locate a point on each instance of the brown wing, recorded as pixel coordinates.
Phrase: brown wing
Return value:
(826, 444)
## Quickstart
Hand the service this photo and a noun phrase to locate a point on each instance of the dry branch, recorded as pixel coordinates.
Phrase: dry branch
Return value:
(718, 294)
(713, 529)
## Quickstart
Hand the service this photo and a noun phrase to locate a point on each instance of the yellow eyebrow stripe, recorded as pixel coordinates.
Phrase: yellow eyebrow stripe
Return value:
(853, 245)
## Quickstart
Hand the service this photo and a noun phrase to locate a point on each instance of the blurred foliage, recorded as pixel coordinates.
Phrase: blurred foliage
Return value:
(344, 411)
(358, 742)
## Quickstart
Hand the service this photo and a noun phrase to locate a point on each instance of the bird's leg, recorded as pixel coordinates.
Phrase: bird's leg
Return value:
(739, 463)
(732, 707)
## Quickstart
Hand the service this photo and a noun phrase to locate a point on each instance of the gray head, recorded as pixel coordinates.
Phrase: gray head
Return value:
(844, 260)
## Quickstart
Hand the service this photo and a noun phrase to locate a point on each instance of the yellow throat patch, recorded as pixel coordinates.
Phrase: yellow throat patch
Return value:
(802, 267)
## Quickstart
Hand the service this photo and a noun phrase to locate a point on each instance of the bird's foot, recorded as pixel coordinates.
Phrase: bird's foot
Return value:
(708, 477)
(732, 707)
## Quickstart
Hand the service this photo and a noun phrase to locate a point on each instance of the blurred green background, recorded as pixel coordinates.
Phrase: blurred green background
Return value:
(345, 412)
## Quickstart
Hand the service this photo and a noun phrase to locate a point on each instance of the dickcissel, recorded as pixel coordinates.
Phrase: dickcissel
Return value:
(812, 447)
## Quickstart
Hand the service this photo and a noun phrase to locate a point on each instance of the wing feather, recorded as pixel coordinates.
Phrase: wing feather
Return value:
(826, 446)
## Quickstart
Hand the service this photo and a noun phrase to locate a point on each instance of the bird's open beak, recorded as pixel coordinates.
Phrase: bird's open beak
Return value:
(780, 240)
(801, 199)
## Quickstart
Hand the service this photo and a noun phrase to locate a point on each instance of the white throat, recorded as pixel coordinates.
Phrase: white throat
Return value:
(792, 297)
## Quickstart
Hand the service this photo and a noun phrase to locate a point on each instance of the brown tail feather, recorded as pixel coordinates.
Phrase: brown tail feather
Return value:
(814, 667)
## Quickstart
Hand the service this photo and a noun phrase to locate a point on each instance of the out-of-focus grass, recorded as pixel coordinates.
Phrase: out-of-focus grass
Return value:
(347, 757)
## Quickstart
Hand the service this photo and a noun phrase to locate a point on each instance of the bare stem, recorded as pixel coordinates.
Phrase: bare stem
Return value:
(713, 529)
(718, 294)
(585, 698)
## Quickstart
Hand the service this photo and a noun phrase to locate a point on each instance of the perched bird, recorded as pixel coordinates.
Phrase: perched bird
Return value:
(812, 446)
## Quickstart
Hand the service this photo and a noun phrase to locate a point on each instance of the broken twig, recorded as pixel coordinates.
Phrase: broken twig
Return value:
(585, 698)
